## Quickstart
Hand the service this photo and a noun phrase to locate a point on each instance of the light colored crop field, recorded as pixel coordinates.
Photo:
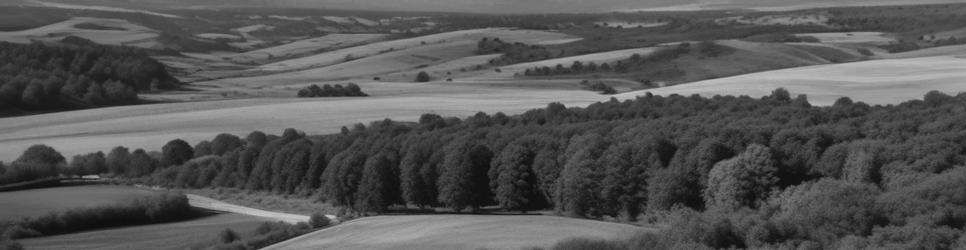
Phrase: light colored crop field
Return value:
(150, 126)
(98, 8)
(37, 202)
(218, 36)
(427, 232)
(302, 47)
(128, 33)
(340, 56)
(175, 235)
(875, 82)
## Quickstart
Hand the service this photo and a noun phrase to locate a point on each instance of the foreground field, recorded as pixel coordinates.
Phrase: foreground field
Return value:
(454, 232)
(38, 202)
(874, 82)
(177, 235)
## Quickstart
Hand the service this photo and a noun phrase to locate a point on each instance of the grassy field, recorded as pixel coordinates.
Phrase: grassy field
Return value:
(874, 82)
(176, 235)
(427, 232)
(36, 202)
(852, 37)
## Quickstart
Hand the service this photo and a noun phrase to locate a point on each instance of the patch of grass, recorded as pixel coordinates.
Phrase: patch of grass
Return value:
(267, 201)
(193, 234)
(94, 26)
(36, 202)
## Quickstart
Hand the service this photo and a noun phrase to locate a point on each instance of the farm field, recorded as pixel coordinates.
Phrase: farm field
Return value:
(454, 232)
(37, 202)
(888, 81)
(306, 46)
(150, 126)
(339, 56)
(389, 62)
(175, 235)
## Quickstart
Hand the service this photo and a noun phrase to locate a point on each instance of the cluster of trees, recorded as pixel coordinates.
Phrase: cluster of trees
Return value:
(37, 162)
(733, 171)
(38, 77)
(328, 90)
(158, 208)
(512, 52)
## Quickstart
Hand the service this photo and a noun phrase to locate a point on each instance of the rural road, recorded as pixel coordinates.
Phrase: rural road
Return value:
(212, 204)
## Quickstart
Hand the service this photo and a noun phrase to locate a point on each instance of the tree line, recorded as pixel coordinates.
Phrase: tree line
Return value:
(636, 62)
(38, 77)
(513, 52)
(329, 90)
(740, 172)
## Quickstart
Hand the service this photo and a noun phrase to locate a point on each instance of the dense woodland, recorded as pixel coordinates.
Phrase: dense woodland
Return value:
(724, 171)
(38, 77)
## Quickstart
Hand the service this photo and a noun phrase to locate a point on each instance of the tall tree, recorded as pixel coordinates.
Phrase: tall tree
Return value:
(378, 185)
(464, 182)
(743, 181)
(515, 183)
(176, 152)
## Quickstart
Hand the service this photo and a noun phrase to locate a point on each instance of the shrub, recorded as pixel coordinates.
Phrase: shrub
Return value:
(10, 245)
(423, 77)
(319, 220)
(227, 236)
